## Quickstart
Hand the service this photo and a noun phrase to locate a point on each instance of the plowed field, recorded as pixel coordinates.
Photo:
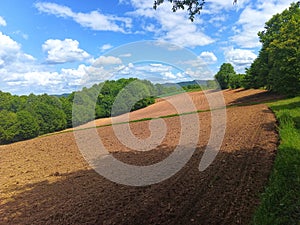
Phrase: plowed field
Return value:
(47, 181)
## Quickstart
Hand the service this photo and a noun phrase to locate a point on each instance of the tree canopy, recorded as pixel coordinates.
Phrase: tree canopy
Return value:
(25, 117)
(277, 66)
(228, 78)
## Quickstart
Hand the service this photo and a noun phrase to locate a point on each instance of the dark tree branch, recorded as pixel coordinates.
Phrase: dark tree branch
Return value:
(192, 6)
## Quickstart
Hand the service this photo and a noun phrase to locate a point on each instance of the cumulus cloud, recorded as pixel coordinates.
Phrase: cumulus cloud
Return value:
(9, 49)
(252, 20)
(219, 6)
(93, 20)
(59, 51)
(239, 58)
(208, 57)
(20, 73)
(107, 60)
(2, 21)
(174, 28)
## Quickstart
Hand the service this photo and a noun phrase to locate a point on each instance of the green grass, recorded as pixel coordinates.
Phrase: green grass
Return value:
(280, 203)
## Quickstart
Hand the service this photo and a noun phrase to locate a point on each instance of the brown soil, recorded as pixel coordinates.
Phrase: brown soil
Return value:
(47, 181)
(164, 107)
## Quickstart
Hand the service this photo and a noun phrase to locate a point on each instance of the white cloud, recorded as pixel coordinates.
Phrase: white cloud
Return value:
(174, 77)
(208, 57)
(239, 58)
(107, 60)
(217, 19)
(9, 50)
(2, 21)
(20, 72)
(154, 72)
(63, 51)
(174, 28)
(105, 47)
(252, 20)
(93, 20)
(219, 6)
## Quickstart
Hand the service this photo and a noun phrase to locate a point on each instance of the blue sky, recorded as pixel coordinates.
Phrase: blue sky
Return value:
(56, 46)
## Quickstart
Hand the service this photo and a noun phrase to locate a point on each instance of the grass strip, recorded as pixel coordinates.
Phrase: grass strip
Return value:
(280, 202)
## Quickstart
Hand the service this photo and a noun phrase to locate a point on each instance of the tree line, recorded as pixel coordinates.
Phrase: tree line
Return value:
(25, 117)
(277, 67)
(228, 78)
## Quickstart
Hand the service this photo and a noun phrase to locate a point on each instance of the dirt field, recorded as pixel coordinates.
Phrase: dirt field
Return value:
(47, 181)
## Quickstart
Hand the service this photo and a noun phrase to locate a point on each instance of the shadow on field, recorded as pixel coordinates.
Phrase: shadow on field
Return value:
(256, 98)
(240, 90)
(225, 193)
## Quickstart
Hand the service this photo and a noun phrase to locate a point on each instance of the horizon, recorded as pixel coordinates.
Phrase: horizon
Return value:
(68, 93)
(51, 46)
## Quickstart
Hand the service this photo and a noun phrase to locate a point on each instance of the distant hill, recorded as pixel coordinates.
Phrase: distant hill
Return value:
(186, 83)
(169, 84)
(62, 95)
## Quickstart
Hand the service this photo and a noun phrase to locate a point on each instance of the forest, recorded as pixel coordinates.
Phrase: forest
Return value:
(26, 117)
(277, 67)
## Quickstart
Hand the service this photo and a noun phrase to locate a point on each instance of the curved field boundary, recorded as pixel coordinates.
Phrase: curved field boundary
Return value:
(47, 181)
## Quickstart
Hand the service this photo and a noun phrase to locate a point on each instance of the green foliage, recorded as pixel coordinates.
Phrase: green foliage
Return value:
(8, 126)
(66, 106)
(211, 84)
(192, 87)
(280, 203)
(193, 7)
(111, 98)
(27, 125)
(225, 74)
(277, 67)
(236, 81)
(49, 118)
(47, 111)
(143, 103)
(83, 105)
(25, 117)
(134, 96)
(163, 91)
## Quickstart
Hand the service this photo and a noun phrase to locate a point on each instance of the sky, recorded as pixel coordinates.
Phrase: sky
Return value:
(60, 46)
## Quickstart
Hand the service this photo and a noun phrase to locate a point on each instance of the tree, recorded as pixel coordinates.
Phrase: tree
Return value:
(223, 76)
(277, 66)
(193, 7)
(236, 81)
(8, 126)
(25, 117)
(27, 126)
(284, 55)
(47, 111)
(66, 105)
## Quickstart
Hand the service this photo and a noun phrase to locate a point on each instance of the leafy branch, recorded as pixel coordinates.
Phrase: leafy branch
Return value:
(193, 7)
